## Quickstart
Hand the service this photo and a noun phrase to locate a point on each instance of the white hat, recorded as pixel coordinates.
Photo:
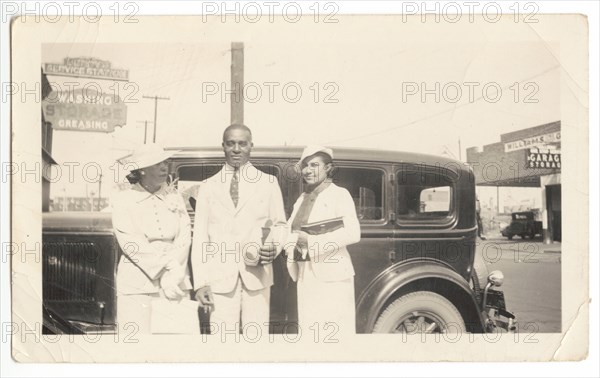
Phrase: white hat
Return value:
(145, 156)
(311, 150)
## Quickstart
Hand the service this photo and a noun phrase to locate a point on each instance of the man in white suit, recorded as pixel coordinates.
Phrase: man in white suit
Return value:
(231, 261)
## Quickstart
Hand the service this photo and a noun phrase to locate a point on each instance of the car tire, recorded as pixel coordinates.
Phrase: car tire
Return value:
(509, 237)
(420, 312)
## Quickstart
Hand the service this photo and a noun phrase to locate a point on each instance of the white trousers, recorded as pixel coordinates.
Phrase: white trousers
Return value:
(134, 315)
(250, 307)
(134, 312)
(329, 306)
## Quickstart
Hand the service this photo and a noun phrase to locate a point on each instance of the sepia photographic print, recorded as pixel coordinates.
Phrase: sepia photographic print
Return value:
(299, 186)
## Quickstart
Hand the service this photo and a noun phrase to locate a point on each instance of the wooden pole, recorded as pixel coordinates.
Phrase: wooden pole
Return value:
(145, 130)
(99, 192)
(237, 82)
(155, 98)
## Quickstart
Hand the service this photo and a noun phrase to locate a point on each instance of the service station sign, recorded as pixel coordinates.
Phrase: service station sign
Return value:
(87, 108)
(87, 68)
(84, 109)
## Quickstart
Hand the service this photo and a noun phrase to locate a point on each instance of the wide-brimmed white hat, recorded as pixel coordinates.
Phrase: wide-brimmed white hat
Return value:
(313, 149)
(145, 156)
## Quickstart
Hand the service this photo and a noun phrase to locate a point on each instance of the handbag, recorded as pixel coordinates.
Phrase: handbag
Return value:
(174, 317)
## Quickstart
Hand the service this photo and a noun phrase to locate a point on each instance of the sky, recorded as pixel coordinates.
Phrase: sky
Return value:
(344, 85)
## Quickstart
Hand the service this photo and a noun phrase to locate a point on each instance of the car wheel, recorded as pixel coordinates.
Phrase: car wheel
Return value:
(420, 312)
(532, 234)
(510, 237)
(523, 236)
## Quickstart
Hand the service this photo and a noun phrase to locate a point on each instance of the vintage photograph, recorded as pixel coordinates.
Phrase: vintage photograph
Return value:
(330, 181)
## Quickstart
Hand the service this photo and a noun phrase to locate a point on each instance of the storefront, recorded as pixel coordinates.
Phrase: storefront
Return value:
(528, 158)
(81, 107)
(47, 159)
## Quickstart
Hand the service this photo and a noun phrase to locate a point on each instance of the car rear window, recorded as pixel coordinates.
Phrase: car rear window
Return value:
(424, 196)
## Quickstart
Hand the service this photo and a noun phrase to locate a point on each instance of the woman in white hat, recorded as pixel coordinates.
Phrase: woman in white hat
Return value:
(152, 227)
(322, 224)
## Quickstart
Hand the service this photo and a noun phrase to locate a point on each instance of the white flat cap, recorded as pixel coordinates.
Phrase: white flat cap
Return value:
(313, 149)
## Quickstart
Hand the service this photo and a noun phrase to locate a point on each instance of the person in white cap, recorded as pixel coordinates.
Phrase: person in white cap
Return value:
(323, 222)
(231, 258)
(152, 227)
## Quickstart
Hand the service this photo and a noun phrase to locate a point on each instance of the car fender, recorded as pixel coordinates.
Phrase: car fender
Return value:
(420, 272)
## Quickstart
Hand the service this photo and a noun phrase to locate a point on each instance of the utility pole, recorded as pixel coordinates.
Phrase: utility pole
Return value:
(87, 197)
(99, 192)
(498, 199)
(64, 190)
(237, 82)
(155, 98)
(145, 129)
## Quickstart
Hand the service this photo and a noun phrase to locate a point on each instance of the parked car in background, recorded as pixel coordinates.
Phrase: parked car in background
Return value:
(525, 224)
(415, 263)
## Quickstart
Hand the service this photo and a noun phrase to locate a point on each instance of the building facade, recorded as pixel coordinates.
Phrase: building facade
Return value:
(525, 158)
(47, 160)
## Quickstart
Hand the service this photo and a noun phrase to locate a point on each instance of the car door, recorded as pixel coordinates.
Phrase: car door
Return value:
(369, 186)
(427, 215)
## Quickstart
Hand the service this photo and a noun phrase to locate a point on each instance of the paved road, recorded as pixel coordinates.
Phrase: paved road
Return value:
(532, 283)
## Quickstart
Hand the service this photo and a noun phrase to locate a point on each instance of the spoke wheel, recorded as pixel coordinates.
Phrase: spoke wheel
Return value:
(420, 312)
(420, 322)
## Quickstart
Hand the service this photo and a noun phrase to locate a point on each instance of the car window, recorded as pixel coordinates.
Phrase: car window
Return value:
(190, 176)
(423, 196)
(435, 200)
(366, 188)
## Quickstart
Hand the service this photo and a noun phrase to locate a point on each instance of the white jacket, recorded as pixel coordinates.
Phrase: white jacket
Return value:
(151, 229)
(329, 257)
(224, 234)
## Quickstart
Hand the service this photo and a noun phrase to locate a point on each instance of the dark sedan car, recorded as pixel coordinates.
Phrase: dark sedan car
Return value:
(415, 263)
(524, 224)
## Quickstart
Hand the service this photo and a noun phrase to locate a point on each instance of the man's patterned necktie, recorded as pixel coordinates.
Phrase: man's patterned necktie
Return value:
(234, 189)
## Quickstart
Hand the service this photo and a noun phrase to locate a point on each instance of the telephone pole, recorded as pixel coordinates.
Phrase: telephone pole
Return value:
(155, 98)
(145, 129)
(99, 192)
(237, 82)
